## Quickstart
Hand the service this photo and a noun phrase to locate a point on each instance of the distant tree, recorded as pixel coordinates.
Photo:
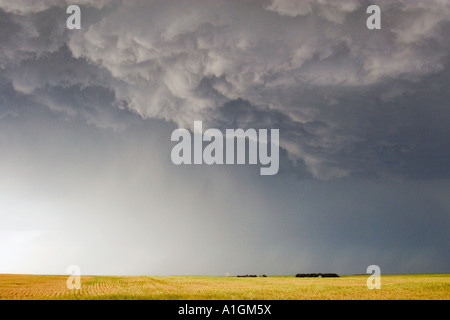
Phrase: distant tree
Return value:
(315, 275)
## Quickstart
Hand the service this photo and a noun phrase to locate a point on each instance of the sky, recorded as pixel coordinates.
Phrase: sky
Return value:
(86, 118)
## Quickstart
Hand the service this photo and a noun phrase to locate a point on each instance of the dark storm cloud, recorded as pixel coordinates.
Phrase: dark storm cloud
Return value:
(86, 118)
(348, 101)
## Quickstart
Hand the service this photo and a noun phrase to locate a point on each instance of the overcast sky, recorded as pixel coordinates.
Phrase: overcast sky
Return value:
(86, 118)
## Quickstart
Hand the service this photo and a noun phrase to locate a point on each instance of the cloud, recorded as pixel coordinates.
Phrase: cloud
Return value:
(86, 117)
(310, 68)
(330, 10)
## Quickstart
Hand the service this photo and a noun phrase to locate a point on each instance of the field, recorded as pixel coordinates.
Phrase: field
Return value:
(397, 287)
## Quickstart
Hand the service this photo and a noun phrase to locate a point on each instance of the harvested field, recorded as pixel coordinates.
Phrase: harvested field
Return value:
(397, 287)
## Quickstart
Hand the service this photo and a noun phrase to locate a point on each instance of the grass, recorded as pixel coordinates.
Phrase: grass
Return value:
(393, 287)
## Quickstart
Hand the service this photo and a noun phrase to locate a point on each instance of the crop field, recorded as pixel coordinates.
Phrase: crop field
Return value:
(397, 287)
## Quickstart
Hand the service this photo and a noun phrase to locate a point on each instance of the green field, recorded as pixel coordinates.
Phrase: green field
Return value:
(398, 287)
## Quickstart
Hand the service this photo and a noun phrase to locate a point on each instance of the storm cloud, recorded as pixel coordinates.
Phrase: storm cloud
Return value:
(310, 67)
(356, 108)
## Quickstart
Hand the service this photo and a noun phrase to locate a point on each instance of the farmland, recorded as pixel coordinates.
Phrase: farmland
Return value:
(396, 287)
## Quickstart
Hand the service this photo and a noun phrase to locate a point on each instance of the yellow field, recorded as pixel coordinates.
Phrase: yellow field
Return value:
(398, 287)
